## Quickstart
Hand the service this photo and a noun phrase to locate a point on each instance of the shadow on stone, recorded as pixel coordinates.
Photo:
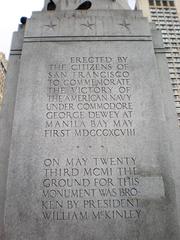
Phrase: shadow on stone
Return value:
(51, 6)
(84, 6)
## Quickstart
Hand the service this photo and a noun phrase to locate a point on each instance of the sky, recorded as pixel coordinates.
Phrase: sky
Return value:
(10, 14)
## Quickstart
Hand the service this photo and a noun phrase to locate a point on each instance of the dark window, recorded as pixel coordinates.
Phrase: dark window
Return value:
(165, 3)
(171, 3)
(151, 2)
(158, 3)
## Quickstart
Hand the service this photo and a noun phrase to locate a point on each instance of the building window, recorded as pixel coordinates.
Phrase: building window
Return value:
(165, 3)
(151, 2)
(171, 3)
(158, 3)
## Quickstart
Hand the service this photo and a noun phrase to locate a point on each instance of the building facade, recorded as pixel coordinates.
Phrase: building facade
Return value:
(166, 15)
(3, 69)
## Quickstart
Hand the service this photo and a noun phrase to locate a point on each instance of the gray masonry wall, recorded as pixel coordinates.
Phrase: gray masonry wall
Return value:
(170, 136)
(7, 116)
(94, 144)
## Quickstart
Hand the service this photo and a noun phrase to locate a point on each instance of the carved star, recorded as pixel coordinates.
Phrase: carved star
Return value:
(88, 25)
(125, 25)
(51, 25)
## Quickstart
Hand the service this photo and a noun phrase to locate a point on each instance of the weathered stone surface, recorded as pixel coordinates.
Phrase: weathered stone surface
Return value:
(6, 118)
(170, 137)
(92, 151)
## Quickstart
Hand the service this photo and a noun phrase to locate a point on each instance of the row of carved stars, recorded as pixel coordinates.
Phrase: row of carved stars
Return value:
(89, 25)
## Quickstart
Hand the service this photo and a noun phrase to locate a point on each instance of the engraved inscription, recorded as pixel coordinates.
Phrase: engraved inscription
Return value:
(97, 188)
(89, 96)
